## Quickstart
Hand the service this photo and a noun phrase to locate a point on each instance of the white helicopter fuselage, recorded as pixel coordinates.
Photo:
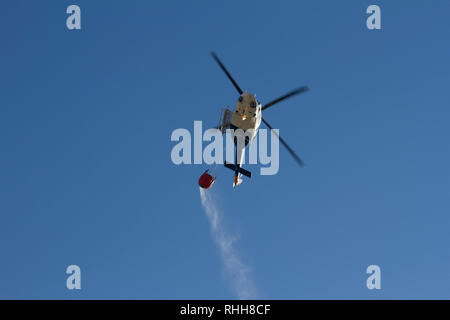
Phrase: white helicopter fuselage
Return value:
(247, 117)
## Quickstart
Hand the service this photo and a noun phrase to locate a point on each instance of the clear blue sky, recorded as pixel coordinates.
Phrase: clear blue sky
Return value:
(85, 170)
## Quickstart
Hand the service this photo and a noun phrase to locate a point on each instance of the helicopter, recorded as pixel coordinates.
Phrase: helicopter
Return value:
(247, 116)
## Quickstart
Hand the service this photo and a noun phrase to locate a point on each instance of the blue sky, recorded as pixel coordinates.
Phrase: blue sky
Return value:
(85, 170)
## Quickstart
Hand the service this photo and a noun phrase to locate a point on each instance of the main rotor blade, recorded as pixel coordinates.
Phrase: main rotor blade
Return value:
(226, 72)
(293, 154)
(287, 95)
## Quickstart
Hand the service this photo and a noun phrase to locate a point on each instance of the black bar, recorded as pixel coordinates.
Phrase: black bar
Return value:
(227, 309)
